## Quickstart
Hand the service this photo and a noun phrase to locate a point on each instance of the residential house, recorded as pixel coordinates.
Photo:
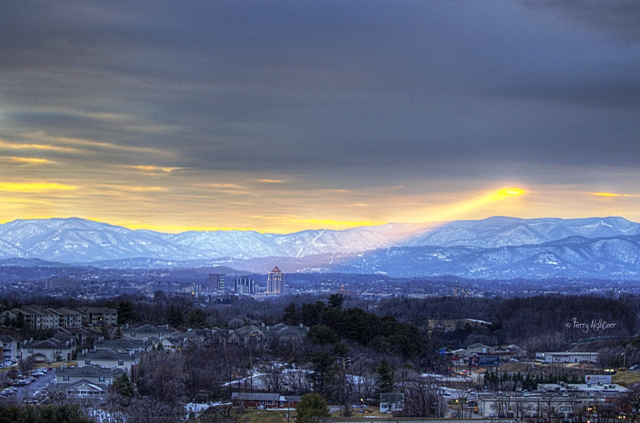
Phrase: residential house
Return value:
(91, 373)
(197, 337)
(289, 401)
(225, 336)
(129, 361)
(251, 334)
(255, 400)
(47, 351)
(81, 336)
(140, 346)
(172, 344)
(85, 390)
(285, 333)
(264, 400)
(193, 338)
(148, 331)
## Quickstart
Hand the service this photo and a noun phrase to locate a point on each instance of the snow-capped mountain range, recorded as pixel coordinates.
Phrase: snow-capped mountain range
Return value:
(498, 247)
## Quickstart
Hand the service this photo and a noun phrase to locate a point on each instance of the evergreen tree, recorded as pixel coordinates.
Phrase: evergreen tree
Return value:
(126, 312)
(197, 319)
(174, 316)
(321, 334)
(290, 315)
(322, 363)
(386, 381)
(336, 300)
(340, 350)
(122, 386)
(312, 408)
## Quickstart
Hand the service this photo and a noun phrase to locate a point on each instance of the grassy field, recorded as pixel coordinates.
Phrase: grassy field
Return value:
(626, 378)
(267, 416)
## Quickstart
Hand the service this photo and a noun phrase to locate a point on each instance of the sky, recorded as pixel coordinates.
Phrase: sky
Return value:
(281, 116)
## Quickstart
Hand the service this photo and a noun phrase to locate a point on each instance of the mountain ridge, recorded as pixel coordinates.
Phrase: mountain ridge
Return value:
(496, 247)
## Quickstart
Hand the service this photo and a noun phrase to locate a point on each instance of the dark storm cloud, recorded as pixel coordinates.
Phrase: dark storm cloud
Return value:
(377, 89)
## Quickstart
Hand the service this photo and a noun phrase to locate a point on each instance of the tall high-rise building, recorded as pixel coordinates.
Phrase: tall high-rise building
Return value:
(245, 285)
(275, 282)
(216, 282)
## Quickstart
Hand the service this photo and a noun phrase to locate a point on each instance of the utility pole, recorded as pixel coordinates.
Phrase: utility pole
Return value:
(344, 362)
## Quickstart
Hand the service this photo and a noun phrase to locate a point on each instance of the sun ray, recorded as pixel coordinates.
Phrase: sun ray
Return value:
(460, 210)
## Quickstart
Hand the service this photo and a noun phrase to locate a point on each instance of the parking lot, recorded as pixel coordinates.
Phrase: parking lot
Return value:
(30, 389)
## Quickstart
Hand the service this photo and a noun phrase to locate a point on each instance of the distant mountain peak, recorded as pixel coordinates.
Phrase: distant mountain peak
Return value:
(504, 239)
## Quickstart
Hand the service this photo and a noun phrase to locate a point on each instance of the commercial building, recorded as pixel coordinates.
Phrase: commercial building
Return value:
(216, 282)
(275, 282)
(167, 287)
(567, 357)
(244, 285)
(552, 401)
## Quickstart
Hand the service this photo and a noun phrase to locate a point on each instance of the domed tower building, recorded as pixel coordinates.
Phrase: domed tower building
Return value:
(275, 282)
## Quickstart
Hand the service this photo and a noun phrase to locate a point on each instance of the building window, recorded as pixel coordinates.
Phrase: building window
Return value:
(65, 378)
(87, 362)
(30, 351)
(100, 379)
(120, 363)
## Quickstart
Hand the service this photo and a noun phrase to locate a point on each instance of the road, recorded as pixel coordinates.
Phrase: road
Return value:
(41, 382)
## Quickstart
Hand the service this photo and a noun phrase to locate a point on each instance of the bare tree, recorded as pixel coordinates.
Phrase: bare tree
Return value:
(58, 395)
(273, 376)
(26, 365)
(223, 414)
(150, 410)
(162, 377)
(298, 381)
(421, 398)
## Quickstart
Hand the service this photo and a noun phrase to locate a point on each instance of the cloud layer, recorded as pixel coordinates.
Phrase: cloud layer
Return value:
(270, 115)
